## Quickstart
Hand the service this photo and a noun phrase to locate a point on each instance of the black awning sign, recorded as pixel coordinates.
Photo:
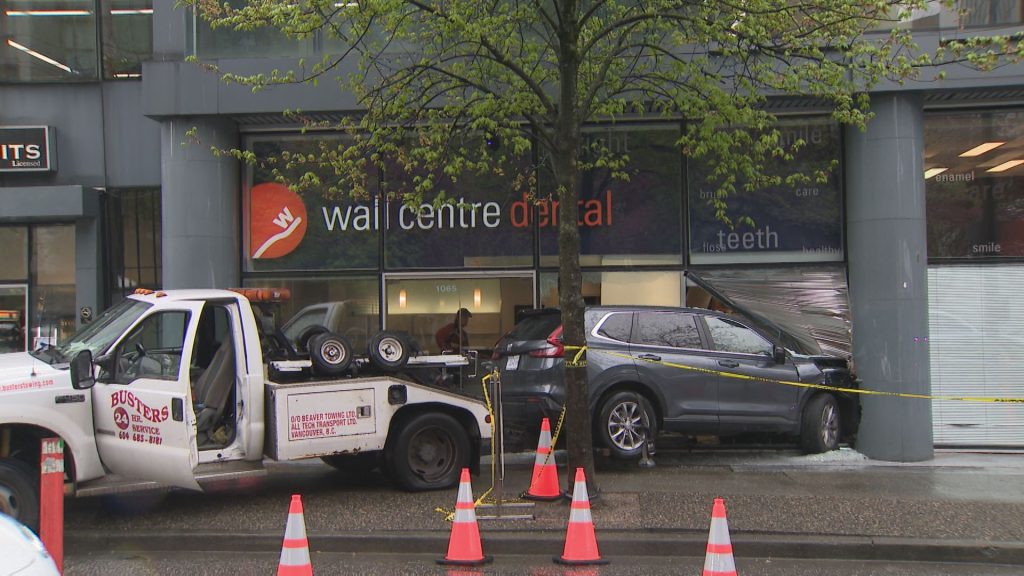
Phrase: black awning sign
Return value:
(26, 149)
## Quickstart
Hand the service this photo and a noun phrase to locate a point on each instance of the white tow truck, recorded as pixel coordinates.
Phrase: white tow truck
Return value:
(180, 387)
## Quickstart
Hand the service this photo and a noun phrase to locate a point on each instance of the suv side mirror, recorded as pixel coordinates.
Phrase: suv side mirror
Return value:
(779, 354)
(82, 375)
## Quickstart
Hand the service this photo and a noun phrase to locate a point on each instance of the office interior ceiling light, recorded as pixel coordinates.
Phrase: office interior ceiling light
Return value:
(130, 11)
(47, 13)
(1006, 166)
(981, 149)
(39, 56)
(934, 171)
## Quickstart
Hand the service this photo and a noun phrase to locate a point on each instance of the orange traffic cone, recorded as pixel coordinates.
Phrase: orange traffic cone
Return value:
(544, 485)
(295, 551)
(580, 541)
(464, 543)
(719, 560)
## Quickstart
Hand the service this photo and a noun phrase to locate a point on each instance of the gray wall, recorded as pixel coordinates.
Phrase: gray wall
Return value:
(201, 233)
(888, 260)
(102, 138)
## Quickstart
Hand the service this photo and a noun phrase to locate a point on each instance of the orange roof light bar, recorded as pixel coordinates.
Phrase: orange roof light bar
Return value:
(264, 294)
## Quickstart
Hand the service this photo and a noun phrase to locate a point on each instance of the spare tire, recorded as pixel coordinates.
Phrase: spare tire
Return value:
(389, 350)
(330, 354)
(302, 342)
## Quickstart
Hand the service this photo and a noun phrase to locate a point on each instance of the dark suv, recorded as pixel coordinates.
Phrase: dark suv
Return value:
(667, 366)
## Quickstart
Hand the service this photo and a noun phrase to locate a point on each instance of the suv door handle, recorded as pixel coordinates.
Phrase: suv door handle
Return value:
(728, 363)
(651, 357)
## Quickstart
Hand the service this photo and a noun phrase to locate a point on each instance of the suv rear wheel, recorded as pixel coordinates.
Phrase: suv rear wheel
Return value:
(621, 422)
(820, 429)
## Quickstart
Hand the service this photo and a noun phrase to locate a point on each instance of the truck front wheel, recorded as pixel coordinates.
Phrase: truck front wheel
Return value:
(19, 492)
(428, 453)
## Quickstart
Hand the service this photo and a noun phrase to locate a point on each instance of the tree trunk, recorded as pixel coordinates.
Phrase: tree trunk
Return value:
(565, 160)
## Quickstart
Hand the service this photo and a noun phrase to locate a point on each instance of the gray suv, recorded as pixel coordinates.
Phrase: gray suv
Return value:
(664, 367)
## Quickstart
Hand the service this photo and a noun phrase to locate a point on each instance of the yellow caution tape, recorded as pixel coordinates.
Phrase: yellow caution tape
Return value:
(578, 361)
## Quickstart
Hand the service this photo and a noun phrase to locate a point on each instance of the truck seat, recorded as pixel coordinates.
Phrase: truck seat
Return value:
(213, 388)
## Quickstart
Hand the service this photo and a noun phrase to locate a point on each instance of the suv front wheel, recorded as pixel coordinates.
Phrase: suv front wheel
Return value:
(820, 429)
(621, 424)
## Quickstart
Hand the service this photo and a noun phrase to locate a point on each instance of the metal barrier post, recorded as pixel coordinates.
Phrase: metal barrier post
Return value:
(51, 499)
(498, 488)
(645, 449)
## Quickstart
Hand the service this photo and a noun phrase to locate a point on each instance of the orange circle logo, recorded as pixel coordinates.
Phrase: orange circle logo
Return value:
(277, 220)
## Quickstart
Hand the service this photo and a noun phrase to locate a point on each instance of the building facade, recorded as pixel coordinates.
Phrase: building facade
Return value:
(905, 260)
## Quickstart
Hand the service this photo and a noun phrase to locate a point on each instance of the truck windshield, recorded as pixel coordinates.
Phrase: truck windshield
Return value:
(97, 335)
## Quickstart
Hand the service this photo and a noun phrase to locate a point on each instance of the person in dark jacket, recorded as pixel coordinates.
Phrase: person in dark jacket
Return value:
(452, 337)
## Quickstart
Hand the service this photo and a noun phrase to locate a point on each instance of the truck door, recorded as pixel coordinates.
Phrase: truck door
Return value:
(142, 402)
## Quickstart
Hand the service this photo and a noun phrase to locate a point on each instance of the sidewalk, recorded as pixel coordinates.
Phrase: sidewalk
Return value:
(961, 506)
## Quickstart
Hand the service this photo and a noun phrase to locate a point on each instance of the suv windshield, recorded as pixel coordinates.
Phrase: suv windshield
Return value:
(98, 335)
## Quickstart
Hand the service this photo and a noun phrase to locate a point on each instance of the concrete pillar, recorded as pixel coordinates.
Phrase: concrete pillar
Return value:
(888, 265)
(89, 284)
(200, 204)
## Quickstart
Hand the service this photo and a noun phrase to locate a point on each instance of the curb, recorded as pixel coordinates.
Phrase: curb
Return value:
(612, 543)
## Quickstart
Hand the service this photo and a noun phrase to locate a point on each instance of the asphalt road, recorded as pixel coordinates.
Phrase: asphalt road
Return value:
(235, 563)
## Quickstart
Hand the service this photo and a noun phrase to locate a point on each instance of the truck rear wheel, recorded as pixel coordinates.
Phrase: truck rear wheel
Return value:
(19, 492)
(428, 452)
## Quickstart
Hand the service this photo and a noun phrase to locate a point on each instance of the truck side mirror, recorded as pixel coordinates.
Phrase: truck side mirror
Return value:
(779, 354)
(82, 375)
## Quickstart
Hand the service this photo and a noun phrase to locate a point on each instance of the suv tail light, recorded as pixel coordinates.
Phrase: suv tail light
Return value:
(554, 349)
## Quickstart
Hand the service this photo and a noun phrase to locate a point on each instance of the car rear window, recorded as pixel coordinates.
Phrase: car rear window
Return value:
(617, 326)
(536, 326)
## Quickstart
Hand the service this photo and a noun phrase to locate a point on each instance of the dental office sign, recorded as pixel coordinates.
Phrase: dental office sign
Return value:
(26, 149)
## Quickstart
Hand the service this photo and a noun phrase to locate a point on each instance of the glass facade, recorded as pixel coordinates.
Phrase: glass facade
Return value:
(792, 223)
(57, 40)
(423, 306)
(49, 40)
(127, 30)
(53, 284)
(494, 250)
(974, 184)
(266, 42)
(962, 14)
(133, 240)
(624, 222)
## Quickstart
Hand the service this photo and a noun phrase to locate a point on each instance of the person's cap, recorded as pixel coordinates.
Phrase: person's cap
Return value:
(464, 313)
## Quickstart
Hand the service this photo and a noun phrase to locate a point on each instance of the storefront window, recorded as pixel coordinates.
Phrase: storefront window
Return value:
(133, 239)
(422, 306)
(14, 239)
(348, 307)
(485, 225)
(47, 40)
(974, 184)
(801, 223)
(127, 36)
(52, 303)
(624, 222)
(619, 288)
(13, 309)
(310, 229)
